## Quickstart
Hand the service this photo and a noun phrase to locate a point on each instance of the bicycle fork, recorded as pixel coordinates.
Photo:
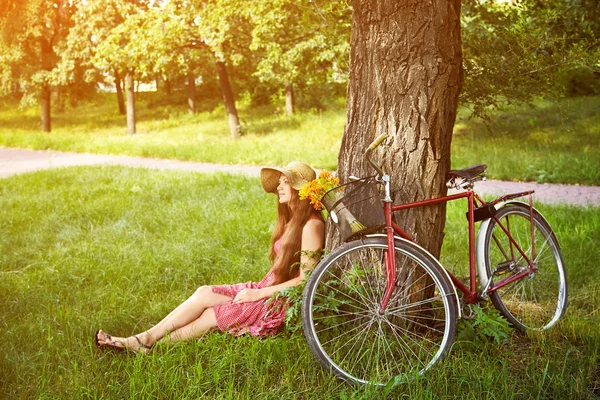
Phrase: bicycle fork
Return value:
(389, 255)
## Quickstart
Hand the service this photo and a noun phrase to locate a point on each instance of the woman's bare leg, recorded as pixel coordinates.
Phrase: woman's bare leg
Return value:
(187, 312)
(196, 328)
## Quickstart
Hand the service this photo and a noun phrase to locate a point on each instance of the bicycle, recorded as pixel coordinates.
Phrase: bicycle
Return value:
(371, 315)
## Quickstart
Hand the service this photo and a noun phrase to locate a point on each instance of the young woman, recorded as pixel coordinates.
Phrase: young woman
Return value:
(297, 240)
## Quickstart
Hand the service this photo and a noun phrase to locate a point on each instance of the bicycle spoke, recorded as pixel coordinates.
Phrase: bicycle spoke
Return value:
(415, 355)
(348, 332)
(343, 294)
(417, 304)
(358, 353)
(413, 322)
(340, 313)
(401, 340)
(410, 334)
(365, 300)
(321, 331)
(374, 295)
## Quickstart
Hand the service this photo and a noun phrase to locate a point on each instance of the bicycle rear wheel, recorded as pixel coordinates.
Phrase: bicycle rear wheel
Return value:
(536, 301)
(351, 338)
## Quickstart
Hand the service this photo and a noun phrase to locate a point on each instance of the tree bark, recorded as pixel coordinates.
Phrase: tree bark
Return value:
(191, 93)
(120, 99)
(130, 90)
(289, 99)
(232, 115)
(45, 108)
(405, 78)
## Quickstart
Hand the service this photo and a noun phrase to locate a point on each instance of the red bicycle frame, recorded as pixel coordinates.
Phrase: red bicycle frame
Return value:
(471, 294)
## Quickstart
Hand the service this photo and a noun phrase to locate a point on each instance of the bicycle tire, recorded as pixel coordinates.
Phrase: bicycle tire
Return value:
(539, 300)
(348, 336)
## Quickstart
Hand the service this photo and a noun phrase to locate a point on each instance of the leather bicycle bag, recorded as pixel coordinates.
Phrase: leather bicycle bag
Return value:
(484, 212)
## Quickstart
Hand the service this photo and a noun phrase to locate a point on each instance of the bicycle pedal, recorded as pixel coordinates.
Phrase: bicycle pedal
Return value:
(503, 268)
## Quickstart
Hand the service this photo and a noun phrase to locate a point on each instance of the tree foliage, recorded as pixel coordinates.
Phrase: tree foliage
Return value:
(105, 37)
(516, 51)
(301, 42)
(31, 33)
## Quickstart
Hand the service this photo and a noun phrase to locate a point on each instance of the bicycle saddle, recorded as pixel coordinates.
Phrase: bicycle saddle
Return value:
(466, 173)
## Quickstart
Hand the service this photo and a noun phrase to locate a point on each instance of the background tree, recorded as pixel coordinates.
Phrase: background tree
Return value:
(30, 31)
(222, 27)
(300, 43)
(405, 79)
(119, 39)
(123, 50)
(174, 53)
(93, 22)
(512, 51)
(114, 42)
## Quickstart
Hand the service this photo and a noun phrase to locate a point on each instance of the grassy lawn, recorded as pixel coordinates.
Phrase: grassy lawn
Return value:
(555, 142)
(170, 132)
(120, 253)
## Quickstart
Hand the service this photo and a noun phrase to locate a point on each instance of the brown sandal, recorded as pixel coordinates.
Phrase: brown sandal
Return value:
(141, 346)
(113, 346)
(108, 346)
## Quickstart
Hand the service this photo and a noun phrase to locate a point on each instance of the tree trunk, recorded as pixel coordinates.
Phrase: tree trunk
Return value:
(232, 115)
(130, 90)
(47, 56)
(289, 99)
(191, 93)
(405, 78)
(120, 99)
(45, 108)
(57, 98)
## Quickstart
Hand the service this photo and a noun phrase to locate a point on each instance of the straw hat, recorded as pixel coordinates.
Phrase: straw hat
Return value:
(298, 174)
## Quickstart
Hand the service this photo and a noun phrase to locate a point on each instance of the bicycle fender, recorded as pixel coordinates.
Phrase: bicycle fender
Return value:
(479, 249)
(432, 259)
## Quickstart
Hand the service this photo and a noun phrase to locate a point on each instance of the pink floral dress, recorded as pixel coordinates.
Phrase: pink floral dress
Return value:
(259, 318)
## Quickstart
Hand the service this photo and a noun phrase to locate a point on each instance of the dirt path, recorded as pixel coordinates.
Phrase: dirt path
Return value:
(18, 161)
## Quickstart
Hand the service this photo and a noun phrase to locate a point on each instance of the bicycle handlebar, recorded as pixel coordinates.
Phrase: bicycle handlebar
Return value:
(372, 147)
(377, 142)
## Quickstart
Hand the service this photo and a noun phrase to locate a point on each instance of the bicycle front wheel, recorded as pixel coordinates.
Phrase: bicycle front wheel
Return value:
(349, 335)
(538, 300)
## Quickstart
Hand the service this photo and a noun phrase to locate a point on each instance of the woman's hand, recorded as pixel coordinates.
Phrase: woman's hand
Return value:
(248, 295)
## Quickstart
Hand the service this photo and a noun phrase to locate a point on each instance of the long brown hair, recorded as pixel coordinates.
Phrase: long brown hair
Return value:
(291, 218)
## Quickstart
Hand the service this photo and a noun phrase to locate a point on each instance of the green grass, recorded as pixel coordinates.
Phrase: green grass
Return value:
(552, 143)
(555, 142)
(117, 248)
(170, 132)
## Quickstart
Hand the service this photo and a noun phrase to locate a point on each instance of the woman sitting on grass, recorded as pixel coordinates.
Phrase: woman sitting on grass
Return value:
(246, 307)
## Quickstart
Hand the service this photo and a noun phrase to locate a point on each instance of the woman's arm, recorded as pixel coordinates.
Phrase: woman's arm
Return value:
(313, 240)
